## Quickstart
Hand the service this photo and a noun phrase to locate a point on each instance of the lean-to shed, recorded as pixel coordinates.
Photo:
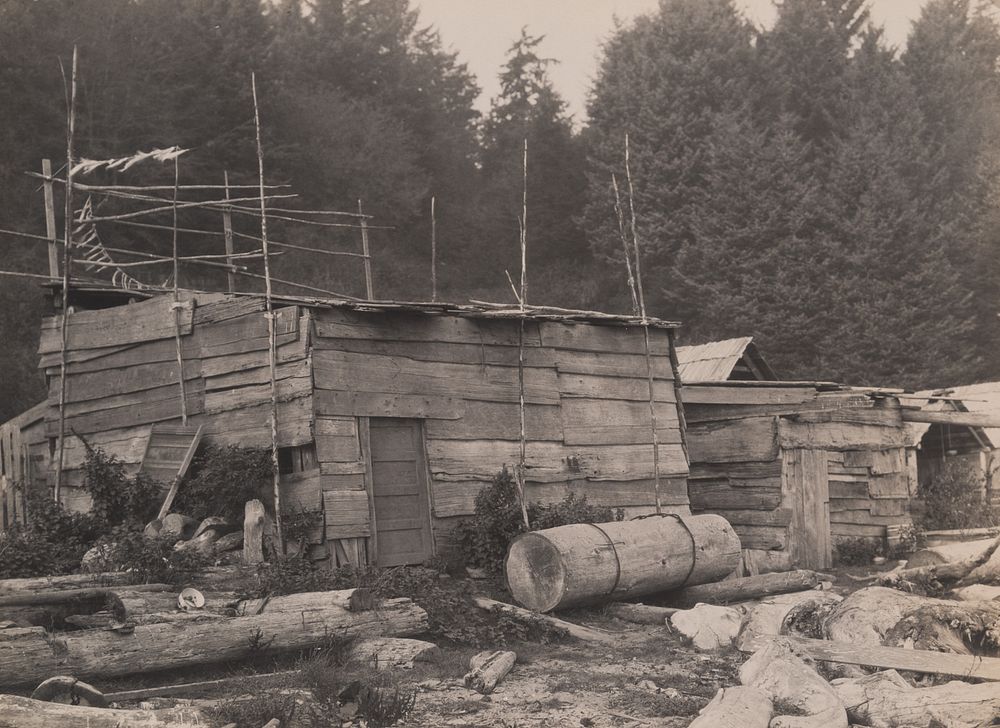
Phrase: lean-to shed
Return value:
(391, 416)
(729, 360)
(796, 467)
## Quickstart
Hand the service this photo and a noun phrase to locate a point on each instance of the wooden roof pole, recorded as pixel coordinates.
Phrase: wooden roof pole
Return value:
(369, 284)
(67, 262)
(176, 305)
(271, 335)
(227, 229)
(522, 300)
(434, 277)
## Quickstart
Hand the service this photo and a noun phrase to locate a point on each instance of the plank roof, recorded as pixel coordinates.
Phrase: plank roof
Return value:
(983, 398)
(717, 361)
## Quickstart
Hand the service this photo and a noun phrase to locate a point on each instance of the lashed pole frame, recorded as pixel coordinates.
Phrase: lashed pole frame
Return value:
(271, 329)
(227, 231)
(434, 277)
(522, 300)
(369, 284)
(67, 262)
(176, 304)
(645, 333)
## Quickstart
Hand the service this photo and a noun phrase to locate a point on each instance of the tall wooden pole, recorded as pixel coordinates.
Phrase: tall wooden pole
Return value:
(645, 334)
(176, 305)
(227, 228)
(369, 286)
(522, 451)
(271, 335)
(67, 262)
(50, 217)
(434, 277)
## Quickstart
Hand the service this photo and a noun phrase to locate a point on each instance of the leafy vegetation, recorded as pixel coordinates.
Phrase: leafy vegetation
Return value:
(954, 499)
(222, 479)
(148, 560)
(117, 496)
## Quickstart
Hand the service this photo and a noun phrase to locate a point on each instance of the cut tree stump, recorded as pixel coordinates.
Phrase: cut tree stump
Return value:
(586, 563)
(735, 707)
(384, 653)
(18, 712)
(30, 655)
(886, 700)
(749, 587)
(487, 669)
(789, 682)
(254, 522)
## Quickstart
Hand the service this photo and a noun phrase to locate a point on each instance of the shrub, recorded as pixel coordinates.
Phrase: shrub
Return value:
(953, 499)
(149, 560)
(222, 479)
(119, 498)
(857, 551)
(485, 538)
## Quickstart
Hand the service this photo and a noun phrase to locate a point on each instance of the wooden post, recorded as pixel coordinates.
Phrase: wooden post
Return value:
(271, 335)
(522, 297)
(176, 305)
(369, 287)
(227, 227)
(67, 262)
(434, 278)
(50, 218)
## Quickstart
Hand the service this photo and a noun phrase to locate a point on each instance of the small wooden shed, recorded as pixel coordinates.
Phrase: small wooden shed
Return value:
(797, 466)
(391, 416)
(729, 360)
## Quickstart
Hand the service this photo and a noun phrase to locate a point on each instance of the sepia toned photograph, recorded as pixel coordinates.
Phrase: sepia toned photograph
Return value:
(499, 363)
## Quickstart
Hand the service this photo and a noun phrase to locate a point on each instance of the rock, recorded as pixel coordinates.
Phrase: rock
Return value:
(177, 525)
(153, 528)
(789, 682)
(735, 707)
(978, 593)
(229, 542)
(707, 626)
(215, 523)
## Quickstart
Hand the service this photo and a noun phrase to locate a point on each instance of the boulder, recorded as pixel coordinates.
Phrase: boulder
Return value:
(707, 626)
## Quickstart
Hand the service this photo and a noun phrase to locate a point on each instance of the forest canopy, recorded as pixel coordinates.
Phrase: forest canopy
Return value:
(805, 183)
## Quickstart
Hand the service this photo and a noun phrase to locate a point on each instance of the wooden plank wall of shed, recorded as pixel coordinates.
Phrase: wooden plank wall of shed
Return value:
(752, 448)
(123, 377)
(23, 456)
(587, 408)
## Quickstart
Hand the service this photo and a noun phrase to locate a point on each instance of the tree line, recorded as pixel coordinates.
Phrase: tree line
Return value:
(807, 183)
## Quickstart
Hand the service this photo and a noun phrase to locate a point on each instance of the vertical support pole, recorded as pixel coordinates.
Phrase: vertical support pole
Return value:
(50, 218)
(67, 263)
(227, 228)
(434, 277)
(645, 333)
(369, 287)
(176, 305)
(271, 335)
(522, 451)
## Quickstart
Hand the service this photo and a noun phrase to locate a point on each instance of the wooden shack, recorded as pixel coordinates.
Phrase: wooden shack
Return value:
(24, 456)
(729, 360)
(797, 467)
(391, 417)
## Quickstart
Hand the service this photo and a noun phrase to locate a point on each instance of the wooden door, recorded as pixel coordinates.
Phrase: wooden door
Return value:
(805, 489)
(399, 491)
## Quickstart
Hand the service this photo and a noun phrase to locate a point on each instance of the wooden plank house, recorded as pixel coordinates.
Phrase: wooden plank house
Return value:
(391, 417)
(796, 466)
(729, 360)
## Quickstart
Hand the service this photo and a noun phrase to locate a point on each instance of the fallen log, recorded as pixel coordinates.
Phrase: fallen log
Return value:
(41, 584)
(948, 553)
(383, 653)
(53, 608)
(978, 593)
(799, 613)
(886, 700)
(790, 683)
(951, 573)
(66, 689)
(70, 595)
(937, 538)
(197, 688)
(574, 630)
(867, 615)
(640, 613)
(898, 658)
(488, 668)
(29, 656)
(735, 707)
(353, 600)
(143, 607)
(585, 563)
(18, 712)
(749, 587)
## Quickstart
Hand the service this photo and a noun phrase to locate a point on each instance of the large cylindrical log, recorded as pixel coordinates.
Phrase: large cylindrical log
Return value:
(948, 553)
(30, 655)
(584, 563)
(749, 587)
(18, 712)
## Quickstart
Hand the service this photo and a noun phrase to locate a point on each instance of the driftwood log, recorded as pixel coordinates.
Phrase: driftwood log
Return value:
(574, 630)
(749, 587)
(955, 573)
(886, 700)
(799, 613)
(640, 613)
(18, 712)
(30, 655)
(487, 669)
(735, 707)
(42, 584)
(67, 689)
(948, 553)
(384, 653)
(353, 600)
(47, 608)
(585, 563)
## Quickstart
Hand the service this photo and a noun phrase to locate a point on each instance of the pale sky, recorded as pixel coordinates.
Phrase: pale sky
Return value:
(482, 31)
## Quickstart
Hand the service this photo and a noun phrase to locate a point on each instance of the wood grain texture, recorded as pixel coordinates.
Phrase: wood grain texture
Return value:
(401, 326)
(347, 513)
(621, 339)
(610, 422)
(614, 388)
(499, 421)
(611, 364)
(375, 404)
(840, 435)
(143, 321)
(748, 440)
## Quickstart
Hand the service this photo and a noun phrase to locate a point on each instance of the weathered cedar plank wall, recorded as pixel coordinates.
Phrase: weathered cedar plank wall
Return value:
(23, 459)
(587, 416)
(587, 409)
(795, 469)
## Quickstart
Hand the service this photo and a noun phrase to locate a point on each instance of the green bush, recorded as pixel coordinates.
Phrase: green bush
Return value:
(485, 538)
(856, 551)
(149, 560)
(119, 498)
(953, 499)
(222, 479)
